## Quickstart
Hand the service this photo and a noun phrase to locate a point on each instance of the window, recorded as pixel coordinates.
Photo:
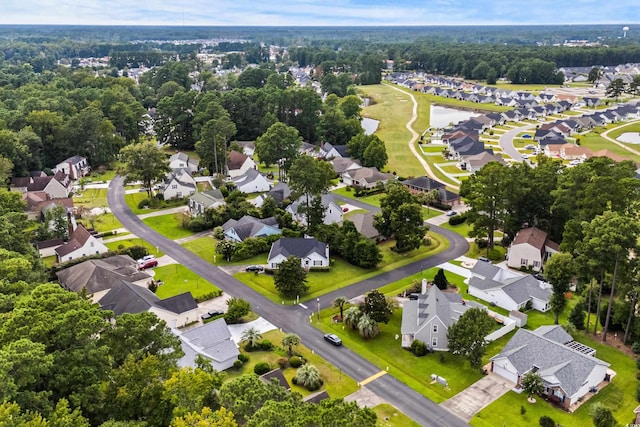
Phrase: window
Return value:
(434, 342)
(435, 328)
(174, 186)
(524, 261)
(536, 263)
(91, 244)
(317, 263)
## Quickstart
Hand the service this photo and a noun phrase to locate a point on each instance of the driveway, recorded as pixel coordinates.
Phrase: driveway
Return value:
(477, 396)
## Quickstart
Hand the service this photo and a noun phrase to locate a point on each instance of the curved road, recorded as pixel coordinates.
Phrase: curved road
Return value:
(506, 141)
(295, 318)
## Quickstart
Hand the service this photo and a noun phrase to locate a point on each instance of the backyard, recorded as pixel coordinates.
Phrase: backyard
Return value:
(169, 225)
(178, 279)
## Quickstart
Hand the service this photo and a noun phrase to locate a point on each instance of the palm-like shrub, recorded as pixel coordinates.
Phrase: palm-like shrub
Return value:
(367, 327)
(352, 316)
(308, 377)
(252, 337)
(289, 341)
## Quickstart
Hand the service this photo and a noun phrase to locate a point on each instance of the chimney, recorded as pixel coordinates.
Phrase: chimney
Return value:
(424, 286)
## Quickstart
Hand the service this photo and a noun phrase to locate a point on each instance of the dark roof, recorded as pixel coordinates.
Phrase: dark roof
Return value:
(125, 297)
(77, 240)
(277, 375)
(49, 243)
(22, 181)
(97, 275)
(424, 183)
(248, 226)
(179, 303)
(280, 192)
(236, 160)
(316, 397)
(296, 246)
(364, 224)
(341, 149)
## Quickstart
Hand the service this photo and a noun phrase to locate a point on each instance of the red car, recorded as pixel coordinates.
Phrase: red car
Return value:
(145, 263)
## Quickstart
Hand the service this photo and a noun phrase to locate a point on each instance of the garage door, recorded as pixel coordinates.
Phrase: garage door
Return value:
(504, 373)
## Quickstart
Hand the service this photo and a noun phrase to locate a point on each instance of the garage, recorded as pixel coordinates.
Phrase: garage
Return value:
(504, 372)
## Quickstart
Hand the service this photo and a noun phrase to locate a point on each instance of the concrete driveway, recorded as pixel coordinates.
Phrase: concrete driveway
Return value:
(478, 395)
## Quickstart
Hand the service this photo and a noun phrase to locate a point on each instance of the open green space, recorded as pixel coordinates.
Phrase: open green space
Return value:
(341, 273)
(475, 251)
(428, 148)
(388, 416)
(462, 229)
(91, 198)
(133, 241)
(619, 396)
(595, 142)
(132, 200)
(179, 279)
(336, 383)
(452, 169)
(349, 192)
(205, 247)
(169, 225)
(105, 222)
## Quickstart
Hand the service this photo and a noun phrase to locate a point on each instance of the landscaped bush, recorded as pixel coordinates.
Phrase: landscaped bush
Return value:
(636, 347)
(208, 296)
(261, 368)
(546, 421)
(482, 243)
(494, 255)
(253, 246)
(237, 365)
(308, 377)
(144, 203)
(457, 219)
(266, 345)
(243, 358)
(638, 363)
(135, 252)
(295, 361)
(418, 348)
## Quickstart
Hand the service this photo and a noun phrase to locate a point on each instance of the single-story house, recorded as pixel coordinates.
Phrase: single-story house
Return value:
(97, 276)
(212, 341)
(183, 161)
(508, 289)
(366, 178)
(251, 182)
(75, 167)
(312, 253)
(332, 210)
(125, 297)
(530, 248)
(424, 184)
(343, 164)
(475, 162)
(429, 317)
(239, 163)
(81, 243)
(248, 226)
(201, 201)
(364, 224)
(568, 369)
(330, 151)
(178, 183)
(279, 193)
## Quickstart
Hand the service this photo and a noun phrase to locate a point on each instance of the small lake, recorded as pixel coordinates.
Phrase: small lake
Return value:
(369, 125)
(444, 116)
(630, 138)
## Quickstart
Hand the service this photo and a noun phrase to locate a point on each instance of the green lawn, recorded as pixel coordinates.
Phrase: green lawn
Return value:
(132, 200)
(179, 279)
(204, 247)
(168, 225)
(106, 222)
(336, 383)
(462, 229)
(388, 416)
(373, 199)
(91, 198)
(134, 241)
(342, 273)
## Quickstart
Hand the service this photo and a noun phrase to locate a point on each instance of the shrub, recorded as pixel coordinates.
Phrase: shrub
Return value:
(283, 362)
(522, 410)
(135, 252)
(218, 233)
(482, 243)
(418, 348)
(237, 309)
(144, 203)
(261, 368)
(266, 345)
(237, 364)
(308, 377)
(638, 376)
(441, 357)
(636, 347)
(457, 219)
(295, 361)
(243, 358)
(494, 255)
(546, 421)
(208, 296)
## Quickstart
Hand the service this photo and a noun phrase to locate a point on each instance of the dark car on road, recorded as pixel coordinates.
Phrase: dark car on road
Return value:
(255, 268)
(333, 339)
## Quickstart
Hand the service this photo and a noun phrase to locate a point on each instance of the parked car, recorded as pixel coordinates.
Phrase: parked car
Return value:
(147, 261)
(525, 156)
(530, 147)
(452, 213)
(345, 209)
(483, 259)
(212, 313)
(255, 268)
(333, 339)
(413, 296)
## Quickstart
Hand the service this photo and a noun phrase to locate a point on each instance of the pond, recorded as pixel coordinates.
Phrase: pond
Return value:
(630, 138)
(369, 125)
(444, 116)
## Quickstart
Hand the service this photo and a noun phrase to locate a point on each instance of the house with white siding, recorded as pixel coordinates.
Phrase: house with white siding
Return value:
(312, 253)
(81, 243)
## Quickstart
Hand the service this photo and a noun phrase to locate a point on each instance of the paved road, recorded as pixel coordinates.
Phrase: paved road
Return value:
(295, 318)
(506, 142)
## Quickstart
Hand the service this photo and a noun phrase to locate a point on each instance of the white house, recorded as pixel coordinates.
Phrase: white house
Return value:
(530, 248)
(568, 369)
(178, 184)
(125, 297)
(212, 341)
(508, 289)
(81, 243)
(75, 167)
(332, 210)
(312, 253)
(239, 163)
(251, 182)
(183, 161)
(199, 202)
(57, 186)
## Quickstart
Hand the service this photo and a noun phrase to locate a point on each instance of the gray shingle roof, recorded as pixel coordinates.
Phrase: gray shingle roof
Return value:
(178, 303)
(212, 339)
(364, 225)
(248, 226)
(518, 287)
(100, 274)
(208, 198)
(448, 307)
(297, 246)
(125, 297)
(556, 363)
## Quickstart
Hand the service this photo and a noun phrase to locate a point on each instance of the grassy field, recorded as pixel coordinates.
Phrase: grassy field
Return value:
(91, 198)
(393, 110)
(132, 200)
(342, 273)
(204, 247)
(462, 229)
(106, 222)
(179, 279)
(134, 241)
(336, 383)
(388, 416)
(168, 225)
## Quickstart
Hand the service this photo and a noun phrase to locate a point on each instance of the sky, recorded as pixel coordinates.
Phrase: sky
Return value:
(319, 12)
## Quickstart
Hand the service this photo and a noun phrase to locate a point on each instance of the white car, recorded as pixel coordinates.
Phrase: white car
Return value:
(525, 156)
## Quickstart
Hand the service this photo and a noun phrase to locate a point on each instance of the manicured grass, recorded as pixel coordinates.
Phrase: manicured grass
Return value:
(204, 247)
(336, 382)
(107, 222)
(452, 169)
(595, 142)
(388, 416)
(430, 212)
(91, 198)
(427, 148)
(342, 273)
(373, 199)
(132, 200)
(475, 252)
(134, 241)
(399, 286)
(179, 279)
(619, 396)
(393, 109)
(168, 225)
(385, 352)
(462, 229)
(50, 260)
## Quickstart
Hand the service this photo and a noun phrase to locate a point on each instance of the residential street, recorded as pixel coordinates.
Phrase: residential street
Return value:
(295, 319)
